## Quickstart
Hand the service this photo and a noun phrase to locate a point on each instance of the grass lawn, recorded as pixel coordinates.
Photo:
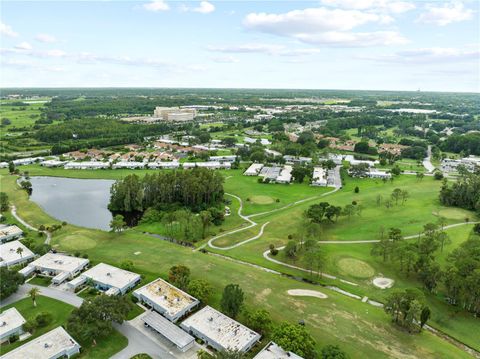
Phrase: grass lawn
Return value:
(59, 311)
(43, 281)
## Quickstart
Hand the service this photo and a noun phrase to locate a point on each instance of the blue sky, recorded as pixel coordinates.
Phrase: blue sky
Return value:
(326, 44)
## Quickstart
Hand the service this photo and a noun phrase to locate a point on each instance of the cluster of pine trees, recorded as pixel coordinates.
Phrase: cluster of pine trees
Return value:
(195, 189)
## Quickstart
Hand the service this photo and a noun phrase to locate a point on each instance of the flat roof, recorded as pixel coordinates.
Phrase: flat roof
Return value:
(169, 330)
(46, 346)
(167, 296)
(273, 351)
(59, 262)
(6, 230)
(110, 275)
(10, 319)
(8, 252)
(225, 331)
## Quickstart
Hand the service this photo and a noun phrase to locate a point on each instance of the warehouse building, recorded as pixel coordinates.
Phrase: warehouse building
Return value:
(54, 344)
(59, 266)
(109, 279)
(219, 331)
(166, 299)
(14, 253)
(9, 233)
(11, 323)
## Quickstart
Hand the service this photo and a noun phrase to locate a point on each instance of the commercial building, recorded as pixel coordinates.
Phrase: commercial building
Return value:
(273, 351)
(59, 266)
(175, 114)
(469, 163)
(109, 279)
(14, 253)
(11, 323)
(88, 165)
(54, 344)
(220, 331)
(254, 169)
(182, 340)
(9, 233)
(166, 299)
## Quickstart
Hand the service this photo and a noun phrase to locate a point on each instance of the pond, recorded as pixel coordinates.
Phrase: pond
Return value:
(82, 202)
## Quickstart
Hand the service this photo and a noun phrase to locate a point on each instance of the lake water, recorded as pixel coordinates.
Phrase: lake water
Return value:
(82, 202)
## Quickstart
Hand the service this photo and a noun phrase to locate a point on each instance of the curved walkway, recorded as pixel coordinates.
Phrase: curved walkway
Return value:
(29, 226)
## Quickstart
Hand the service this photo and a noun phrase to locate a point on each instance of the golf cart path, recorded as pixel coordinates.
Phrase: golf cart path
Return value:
(29, 226)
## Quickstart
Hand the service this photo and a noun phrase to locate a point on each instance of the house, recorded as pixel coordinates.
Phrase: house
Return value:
(292, 160)
(9, 233)
(54, 344)
(182, 340)
(272, 153)
(27, 161)
(270, 173)
(11, 323)
(166, 299)
(285, 175)
(10, 254)
(273, 351)
(210, 165)
(165, 165)
(109, 279)
(219, 331)
(59, 266)
(3, 164)
(254, 169)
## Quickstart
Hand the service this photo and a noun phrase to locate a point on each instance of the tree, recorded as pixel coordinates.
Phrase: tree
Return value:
(356, 189)
(232, 300)
(4, 203)
(299, 173)
(405, 307)
(179, 276)
(424, 316)
(10, 281)
(20, 251)
(404, 196)
(27, 186)
(361, 147)
(396, 195)
(291, 249)
(201, 289)
(333, 352)
(420, 176)
(206, 218)
(33, 295)
(11, 167)
(230, 354)
(294, 338)
(117, 224)
(94, 318)
(259, 320)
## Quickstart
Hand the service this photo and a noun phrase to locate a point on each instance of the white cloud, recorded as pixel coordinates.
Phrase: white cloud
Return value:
(429, 56)
(326, 26)
(7, 30)
(446, 14)
(394, 7)
(23, 46)
(55, 53)
(268, 49)
(225, 59)
(156, 5)
(204, 7)
(45, 38)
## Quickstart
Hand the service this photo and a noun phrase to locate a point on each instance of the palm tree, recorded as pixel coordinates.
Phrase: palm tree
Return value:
(33, 294)
(20, 251)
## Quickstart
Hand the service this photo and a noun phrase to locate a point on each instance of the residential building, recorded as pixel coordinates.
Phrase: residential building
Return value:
(164, 165)
(9, 232)
(319, 177)
(128, 165)
(292, 160)
(11, 323)
(14, 253)
(374, 173)
(469, 163)
(254, 169)
(109, 279)
(220, 331)
(52, 163)
(175, 114)
(54, 344)
(59, 266)
(272, 153)
(285, 175)
(182, 340)
(222, 159)
(210, 165)
(166, 299)
(27, 161)
(273, 351)
(87, 165)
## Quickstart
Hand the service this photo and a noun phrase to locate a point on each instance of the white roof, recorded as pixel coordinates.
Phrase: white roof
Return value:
(10, 319)
(8, 253)
(49, 345)
(169, 330)
(91, 164)
(225, 331)
(111, 276)
(167, 296)
(59, 262)
(273, 351)
(6, 231)
(254, 169)
(128, 164)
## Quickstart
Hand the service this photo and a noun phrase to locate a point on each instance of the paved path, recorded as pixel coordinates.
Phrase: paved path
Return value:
(137, 341)
(23, 222)
(427, 163)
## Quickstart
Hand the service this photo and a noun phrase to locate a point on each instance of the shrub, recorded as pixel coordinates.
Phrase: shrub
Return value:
(438, 175)
(29, 326)
(43, 319)
(476, 228)
(290, 236)
(85, 255)
(274, 251)
(13, 338)
(277, 200)
(356, 190)
(271, 246)
(354, 203)
(134, 299)
(77, 254)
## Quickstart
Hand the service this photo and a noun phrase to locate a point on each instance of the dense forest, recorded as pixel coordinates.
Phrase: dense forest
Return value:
(196, 189)
(464, 193)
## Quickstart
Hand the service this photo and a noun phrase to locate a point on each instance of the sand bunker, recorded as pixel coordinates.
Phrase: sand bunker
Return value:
(383, 283)
(307, 293)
